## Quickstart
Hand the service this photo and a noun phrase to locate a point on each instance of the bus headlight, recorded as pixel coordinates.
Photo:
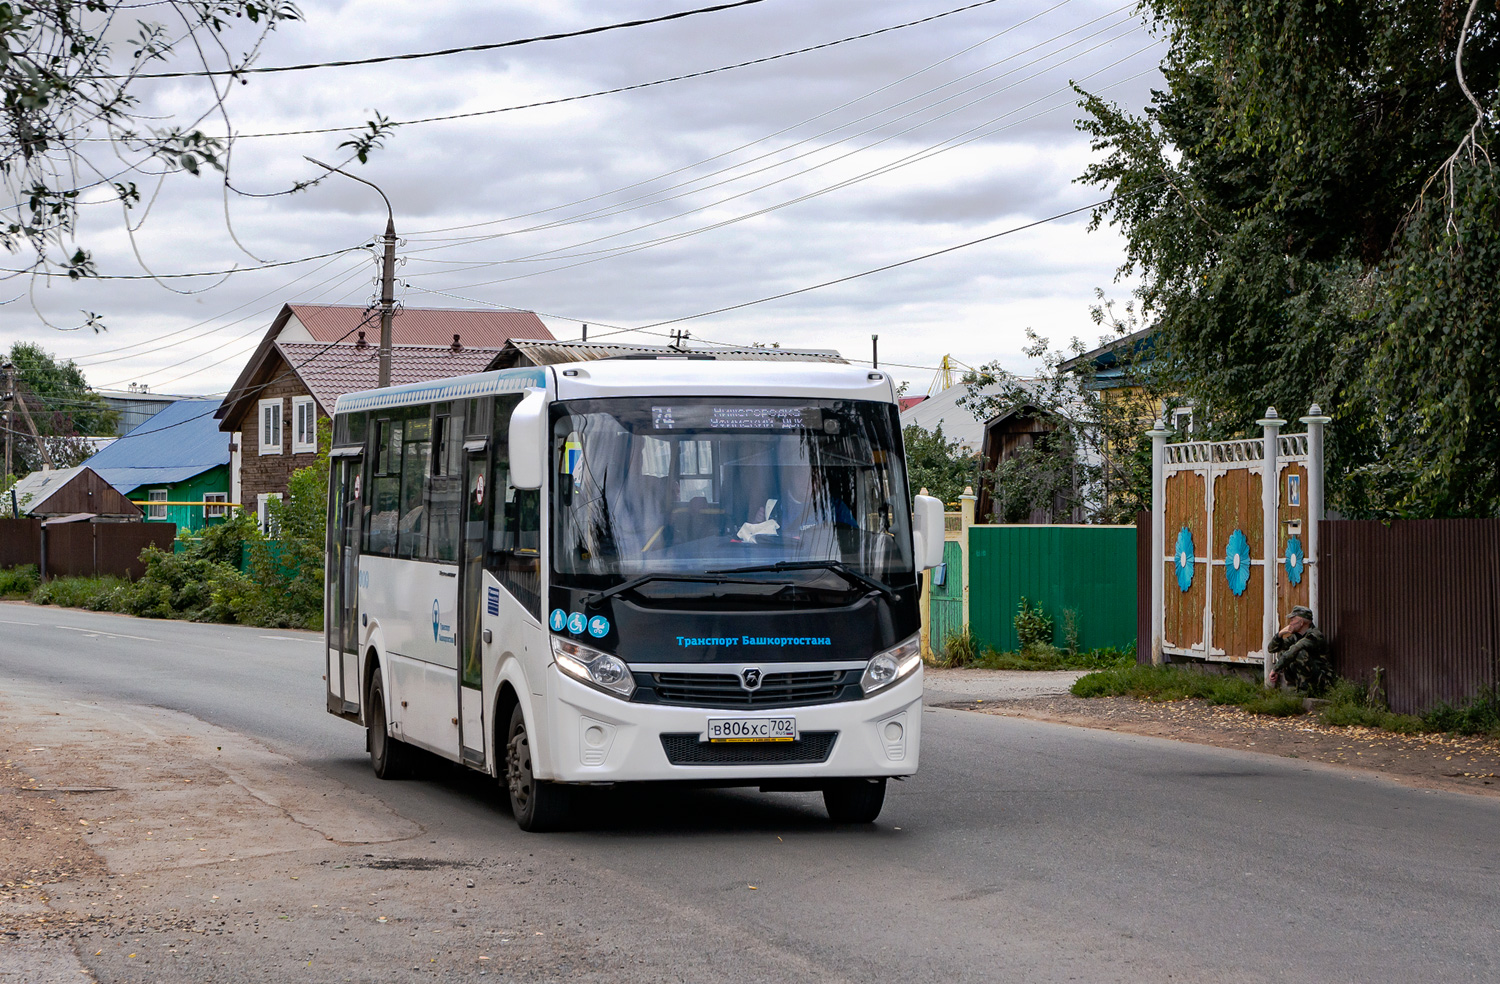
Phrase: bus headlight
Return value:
(891, 666)
(597, 669)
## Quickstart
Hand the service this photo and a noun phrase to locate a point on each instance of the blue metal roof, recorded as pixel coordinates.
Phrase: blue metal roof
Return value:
(181, 441)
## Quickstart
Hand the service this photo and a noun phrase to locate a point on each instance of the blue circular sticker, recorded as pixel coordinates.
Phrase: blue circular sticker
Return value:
(1237, 562)
(576, 623)
(559, 619)
(598, 626)
(1183, 559)
(1294, 559)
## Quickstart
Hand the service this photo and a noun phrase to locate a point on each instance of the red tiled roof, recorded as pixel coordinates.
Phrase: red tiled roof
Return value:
(907, 402)
(422, 326)
(330, 372)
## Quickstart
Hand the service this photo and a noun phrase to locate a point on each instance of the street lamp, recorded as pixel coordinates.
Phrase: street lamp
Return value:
(387, 274)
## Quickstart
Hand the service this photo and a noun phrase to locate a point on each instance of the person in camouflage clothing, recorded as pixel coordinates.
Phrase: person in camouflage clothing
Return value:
(1302, 660)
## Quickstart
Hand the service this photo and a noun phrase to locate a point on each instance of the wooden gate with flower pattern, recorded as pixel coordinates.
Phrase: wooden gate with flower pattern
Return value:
(1234, 528)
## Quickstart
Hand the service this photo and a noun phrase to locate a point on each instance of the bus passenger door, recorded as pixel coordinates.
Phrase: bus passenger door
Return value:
(343, 587)
(471, 610)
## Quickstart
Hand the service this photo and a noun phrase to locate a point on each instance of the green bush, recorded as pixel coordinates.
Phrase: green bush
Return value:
(183, 585)
(1480, 715)
(18, 581)
(961, 648)
(1033, 626)
(1042, 657)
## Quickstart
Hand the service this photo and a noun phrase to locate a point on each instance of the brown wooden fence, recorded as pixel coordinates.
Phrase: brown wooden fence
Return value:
(82, 548)
(1420, 598)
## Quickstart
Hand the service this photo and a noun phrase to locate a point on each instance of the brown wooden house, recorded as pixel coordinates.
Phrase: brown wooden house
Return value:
(1005, 434)
(77, 492)
(314, 353)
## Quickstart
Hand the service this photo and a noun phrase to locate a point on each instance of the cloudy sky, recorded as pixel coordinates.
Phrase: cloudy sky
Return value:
(636, 208)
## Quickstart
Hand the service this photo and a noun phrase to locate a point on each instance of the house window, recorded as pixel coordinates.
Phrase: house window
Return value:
(155, 511)
(263, 512)
(270, 426)
(211, 511)
(305, 425)
(1182, 420)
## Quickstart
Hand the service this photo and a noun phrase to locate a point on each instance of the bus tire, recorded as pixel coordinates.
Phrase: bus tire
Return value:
(854, 800)
(538, 805)
(390, 757)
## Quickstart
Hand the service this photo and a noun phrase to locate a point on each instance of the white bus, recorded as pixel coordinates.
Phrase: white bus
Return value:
(633, 569)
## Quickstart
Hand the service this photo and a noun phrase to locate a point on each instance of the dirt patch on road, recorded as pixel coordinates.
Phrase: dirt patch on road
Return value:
(1448, 762)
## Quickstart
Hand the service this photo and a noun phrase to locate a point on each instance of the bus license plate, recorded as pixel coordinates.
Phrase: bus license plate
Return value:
(752, 729)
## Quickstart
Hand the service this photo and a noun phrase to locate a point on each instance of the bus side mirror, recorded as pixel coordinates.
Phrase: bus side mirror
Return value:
(927, 532)
(528, 440)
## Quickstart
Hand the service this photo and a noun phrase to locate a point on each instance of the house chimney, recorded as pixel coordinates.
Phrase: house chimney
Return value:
(457, 346)
(361, 343)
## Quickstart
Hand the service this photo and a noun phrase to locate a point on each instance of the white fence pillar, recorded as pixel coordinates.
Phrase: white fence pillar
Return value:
(966, 504)
(1271, 526)
(1158, 434)
(1315, 421)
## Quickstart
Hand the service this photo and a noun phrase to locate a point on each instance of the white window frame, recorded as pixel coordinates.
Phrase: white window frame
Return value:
(304, 425)
(272, 446)
(263, 513)
(212, 511)
(155, 511)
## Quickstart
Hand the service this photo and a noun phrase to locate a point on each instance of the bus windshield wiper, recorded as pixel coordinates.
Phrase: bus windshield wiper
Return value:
(635, 582)
(837, 566)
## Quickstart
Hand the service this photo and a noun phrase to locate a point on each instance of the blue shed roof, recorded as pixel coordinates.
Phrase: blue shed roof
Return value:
(179, 442)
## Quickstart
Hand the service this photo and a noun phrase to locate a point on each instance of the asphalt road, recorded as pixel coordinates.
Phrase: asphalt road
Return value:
(1021, 851)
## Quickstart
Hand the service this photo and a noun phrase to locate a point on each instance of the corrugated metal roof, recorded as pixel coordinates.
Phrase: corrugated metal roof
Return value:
(523, 351)
(422, 326)
(34, 489)
(330, 372)
(177, 443)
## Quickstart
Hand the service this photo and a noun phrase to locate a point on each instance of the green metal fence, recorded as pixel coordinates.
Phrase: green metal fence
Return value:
(947, 599)
(1089, 570)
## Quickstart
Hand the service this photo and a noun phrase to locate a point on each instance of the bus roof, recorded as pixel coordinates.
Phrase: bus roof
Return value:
(643, 377)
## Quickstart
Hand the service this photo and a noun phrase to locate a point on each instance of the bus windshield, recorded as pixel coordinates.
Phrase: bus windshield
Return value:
(695, 484)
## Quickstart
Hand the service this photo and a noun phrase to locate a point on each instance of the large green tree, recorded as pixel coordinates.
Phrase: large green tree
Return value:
(1312, 212)
(61, 405)
(939, 465)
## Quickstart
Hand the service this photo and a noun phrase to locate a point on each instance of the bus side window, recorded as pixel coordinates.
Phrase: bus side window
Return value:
(445, 495)
(416, 451)
(385, 487)
(515, 521)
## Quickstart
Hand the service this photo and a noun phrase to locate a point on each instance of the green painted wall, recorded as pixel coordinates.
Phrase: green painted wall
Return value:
(189, 518)
(947, 599)
(1088, 569)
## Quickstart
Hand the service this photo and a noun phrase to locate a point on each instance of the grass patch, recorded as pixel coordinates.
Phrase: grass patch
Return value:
(18, 582)
(1166, 683)
(100, 594)
(1039, 657)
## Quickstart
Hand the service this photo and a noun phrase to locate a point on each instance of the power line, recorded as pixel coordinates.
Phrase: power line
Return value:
(414, 56)
(418, 236)
(180, 276)
(625, 88)
(892, 266)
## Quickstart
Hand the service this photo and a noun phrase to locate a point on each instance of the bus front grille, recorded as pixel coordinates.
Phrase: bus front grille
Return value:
(776, 689)
(811, 748)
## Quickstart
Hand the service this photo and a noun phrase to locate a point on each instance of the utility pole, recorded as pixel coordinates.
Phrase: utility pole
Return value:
(6, 397)
(387, 298)
(41, 445)
(387, 274)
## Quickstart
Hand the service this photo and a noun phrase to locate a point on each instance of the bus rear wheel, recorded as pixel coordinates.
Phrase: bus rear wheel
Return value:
(854, 800)
(390, 757)
(538, 805)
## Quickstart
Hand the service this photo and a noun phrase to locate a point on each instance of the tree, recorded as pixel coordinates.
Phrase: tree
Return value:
(1094, 461)
(1312, 212)
(936, 464)
(61, 405)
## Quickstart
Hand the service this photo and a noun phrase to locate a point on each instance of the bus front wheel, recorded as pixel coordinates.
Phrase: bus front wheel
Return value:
(538, 805)
(854, 800)
(390, 757)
